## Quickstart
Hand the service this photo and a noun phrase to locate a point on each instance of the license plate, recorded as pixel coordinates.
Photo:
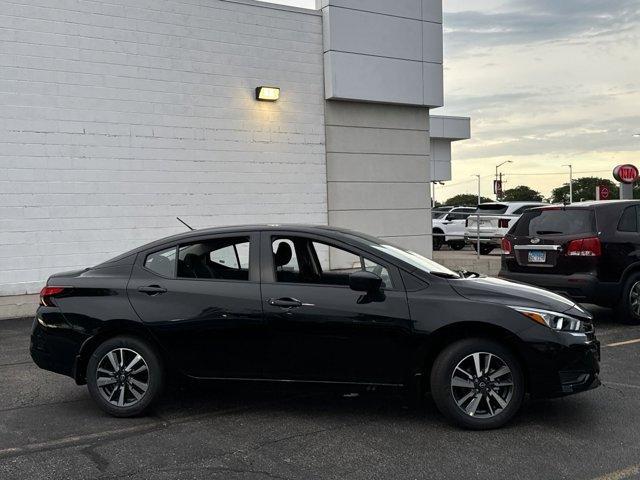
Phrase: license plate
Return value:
(537, 256)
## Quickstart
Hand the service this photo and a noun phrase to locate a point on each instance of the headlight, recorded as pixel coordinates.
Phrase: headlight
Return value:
(554, 320)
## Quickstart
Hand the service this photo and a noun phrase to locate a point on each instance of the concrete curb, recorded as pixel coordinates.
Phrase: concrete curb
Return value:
(18, 306)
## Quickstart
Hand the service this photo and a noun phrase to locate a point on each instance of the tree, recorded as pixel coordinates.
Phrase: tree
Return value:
(466, 200)
(521, 193)
(584, 189)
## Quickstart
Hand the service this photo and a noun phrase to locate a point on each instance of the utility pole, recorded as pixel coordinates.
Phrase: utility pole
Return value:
(570, 182)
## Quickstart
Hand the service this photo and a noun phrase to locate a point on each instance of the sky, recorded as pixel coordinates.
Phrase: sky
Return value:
(546, 83)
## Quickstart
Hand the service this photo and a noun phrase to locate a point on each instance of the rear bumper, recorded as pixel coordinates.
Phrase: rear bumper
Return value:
(54, 348)
(485, 239)
(581, 287)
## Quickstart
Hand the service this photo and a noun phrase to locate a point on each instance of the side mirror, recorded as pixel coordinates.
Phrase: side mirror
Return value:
(365, 282)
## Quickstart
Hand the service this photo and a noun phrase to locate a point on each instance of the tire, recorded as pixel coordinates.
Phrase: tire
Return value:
(627, 311)
(457, 245)
(484, 249)
(438, 240)
(456, 402)
(142, 384)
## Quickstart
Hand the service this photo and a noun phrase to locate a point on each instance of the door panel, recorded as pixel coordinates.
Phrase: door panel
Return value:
(208, 327)
(332, 333)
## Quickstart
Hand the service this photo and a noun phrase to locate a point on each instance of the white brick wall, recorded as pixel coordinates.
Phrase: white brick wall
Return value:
(116, 117)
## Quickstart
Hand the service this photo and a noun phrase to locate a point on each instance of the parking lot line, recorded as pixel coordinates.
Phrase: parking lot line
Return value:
(626, 342)
(621, 474)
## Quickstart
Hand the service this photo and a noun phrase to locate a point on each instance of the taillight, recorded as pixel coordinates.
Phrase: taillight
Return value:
(503, 222)
(506, 246)
(585, 247)
(47, 293)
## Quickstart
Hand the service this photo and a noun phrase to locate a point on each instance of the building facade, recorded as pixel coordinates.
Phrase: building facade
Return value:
(118, 117)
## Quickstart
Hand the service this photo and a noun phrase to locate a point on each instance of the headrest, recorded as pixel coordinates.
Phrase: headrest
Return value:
(283, 254)
(191, 259)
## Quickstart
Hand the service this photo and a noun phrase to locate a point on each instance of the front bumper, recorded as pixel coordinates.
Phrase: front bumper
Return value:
(557, 370)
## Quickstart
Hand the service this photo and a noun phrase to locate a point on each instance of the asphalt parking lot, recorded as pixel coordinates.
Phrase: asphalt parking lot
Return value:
(50, 428)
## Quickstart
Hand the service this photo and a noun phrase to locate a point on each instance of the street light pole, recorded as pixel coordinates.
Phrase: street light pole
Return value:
(570, 182)
(499, 177)
(478, 217)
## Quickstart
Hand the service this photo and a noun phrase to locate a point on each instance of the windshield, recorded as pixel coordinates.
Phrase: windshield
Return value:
(437, 215)
(492, 208)
(416, 260)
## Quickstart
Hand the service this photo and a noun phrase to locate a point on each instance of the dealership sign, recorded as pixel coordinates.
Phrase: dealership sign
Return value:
(626, 173)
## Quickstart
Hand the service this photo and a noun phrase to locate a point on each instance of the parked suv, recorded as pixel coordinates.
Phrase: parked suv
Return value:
(495, 220)
(589, 251)
(449, 228)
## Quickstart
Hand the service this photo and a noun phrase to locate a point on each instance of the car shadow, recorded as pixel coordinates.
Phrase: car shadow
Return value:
(185, 399)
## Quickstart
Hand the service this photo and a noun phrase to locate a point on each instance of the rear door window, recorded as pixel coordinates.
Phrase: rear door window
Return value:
(215, 259)
(555, 222)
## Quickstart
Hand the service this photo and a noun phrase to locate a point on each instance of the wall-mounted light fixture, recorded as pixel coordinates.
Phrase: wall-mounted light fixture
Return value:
(267, 94)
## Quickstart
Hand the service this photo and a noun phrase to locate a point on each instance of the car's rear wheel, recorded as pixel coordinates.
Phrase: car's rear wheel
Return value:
(457, 244)
(628, 309)
(124, 376)
(477, 384)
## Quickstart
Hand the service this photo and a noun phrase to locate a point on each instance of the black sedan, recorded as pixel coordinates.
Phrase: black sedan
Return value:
(310, 304)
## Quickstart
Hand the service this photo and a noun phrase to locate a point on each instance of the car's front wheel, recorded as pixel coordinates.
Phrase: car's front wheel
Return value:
(124, 376)
(477, 384)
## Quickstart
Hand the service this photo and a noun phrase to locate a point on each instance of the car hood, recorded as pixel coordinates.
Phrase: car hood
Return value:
(495, 290)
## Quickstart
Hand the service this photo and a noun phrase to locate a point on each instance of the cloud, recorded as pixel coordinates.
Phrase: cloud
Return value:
(538, 21)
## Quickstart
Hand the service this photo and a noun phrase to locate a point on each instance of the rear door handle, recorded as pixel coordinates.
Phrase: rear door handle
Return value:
(286, 302)
(152, 290)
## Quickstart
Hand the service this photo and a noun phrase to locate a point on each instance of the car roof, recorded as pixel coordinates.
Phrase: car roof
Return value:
(341, 233)
(593, 204)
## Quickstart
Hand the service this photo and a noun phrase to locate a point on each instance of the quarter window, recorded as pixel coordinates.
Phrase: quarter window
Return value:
(222, 259)
(629, 220)
(163, 262)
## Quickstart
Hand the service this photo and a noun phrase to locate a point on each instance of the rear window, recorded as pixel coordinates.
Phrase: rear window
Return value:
(492, 209)
(555, 222)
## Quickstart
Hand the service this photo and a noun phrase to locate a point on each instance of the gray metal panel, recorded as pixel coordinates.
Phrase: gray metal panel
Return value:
(376, 140)
(399, 8)
(383, 222)
(377, 196)
(451, 128)
(432, 42)
(432, 10)
(351, 76)
(374, 34)
(358, 114)
(366, 167)
(433, 84)
(383, 51)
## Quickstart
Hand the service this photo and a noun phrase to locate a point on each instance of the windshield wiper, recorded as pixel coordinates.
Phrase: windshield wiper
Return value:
(548, 232)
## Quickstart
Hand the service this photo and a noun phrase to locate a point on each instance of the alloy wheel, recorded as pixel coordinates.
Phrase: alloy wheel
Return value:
(634, 299)
(122, 377)
(482, 385)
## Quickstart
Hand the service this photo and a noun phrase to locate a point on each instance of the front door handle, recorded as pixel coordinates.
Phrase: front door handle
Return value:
(286, 302)
(152, 290)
